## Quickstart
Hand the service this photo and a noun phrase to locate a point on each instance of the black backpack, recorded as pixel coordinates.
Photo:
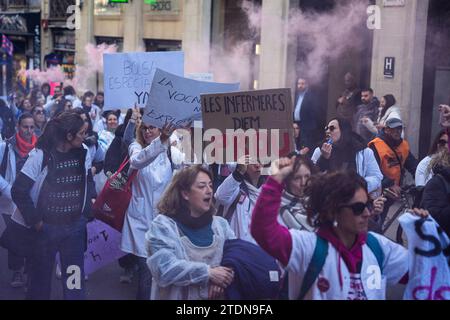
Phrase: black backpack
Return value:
(9, 127)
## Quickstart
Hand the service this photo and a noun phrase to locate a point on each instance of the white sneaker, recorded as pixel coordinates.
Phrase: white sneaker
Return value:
(17, 280)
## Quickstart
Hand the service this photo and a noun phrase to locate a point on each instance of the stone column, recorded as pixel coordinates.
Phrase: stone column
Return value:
(274, 44)
(83, 36)
(196, 35)
(403, 36)
(133, 26)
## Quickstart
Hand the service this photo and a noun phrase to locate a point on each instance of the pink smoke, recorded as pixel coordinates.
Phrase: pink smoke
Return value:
(52, 74)
(83, 73)
(325, 36)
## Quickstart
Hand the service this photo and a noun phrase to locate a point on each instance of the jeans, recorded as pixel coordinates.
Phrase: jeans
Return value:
(145, 280)
(70, 242)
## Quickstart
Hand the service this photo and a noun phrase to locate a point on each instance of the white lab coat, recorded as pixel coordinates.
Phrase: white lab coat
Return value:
(175, 277)
(6, 182)
(366, 166)
(240, 222)
(423, 175)
(154, 174)
(395, 266)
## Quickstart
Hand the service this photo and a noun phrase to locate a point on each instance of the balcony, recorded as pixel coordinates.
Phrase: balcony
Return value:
(58, 9)
(19, 5)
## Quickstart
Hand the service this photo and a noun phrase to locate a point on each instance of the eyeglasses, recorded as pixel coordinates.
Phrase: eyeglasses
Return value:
(147, 128)
(442, 143)
(39, 112)
(331, 128)
(358, 207)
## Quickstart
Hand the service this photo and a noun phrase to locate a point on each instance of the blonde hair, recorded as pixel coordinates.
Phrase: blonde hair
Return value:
(172, 200)
(441, 158)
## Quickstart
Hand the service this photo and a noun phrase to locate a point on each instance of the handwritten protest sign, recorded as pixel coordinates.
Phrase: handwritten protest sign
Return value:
(176, 99)
(103, 246)
(128, 76)
(429, 259)
(266, 113)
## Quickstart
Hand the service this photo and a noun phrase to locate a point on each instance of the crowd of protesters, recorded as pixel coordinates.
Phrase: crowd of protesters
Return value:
(220, 231)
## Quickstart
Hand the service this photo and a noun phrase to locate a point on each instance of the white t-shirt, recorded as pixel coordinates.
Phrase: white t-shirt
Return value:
(327, 285)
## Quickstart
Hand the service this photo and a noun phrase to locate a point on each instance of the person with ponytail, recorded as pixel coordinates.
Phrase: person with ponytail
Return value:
(52, 195)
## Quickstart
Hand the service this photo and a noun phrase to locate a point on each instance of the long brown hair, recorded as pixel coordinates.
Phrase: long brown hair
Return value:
(172, 201)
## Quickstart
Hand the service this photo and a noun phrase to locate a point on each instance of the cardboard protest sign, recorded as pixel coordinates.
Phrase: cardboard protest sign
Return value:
(429, 257)
(128, 76)
(266, 112)
(103, 246)
(177, 99)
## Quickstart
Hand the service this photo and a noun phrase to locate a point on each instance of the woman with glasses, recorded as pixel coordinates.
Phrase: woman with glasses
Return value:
(39, 120)
(345, 150)
(341, 259)
(423, 171)
(149, 155)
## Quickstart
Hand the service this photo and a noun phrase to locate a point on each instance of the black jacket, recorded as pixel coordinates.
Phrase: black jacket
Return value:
(436, 198)
(311, 131)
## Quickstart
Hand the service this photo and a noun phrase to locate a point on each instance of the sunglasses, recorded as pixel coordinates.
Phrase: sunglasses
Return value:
(358, 207)
(331, 128)
(39, 112)
(442, 142)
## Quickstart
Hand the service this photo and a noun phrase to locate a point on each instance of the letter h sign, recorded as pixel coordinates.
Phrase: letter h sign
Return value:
(389, 67)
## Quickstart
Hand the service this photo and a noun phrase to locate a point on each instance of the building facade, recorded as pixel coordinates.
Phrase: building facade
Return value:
(405, 53)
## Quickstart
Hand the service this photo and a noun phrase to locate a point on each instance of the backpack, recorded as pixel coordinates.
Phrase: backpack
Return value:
(4, 163)
(320, 254)
(9, 127)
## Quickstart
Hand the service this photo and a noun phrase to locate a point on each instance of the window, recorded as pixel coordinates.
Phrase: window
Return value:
(111, 40)
(58, 8)
(103, 7)
(162, 45)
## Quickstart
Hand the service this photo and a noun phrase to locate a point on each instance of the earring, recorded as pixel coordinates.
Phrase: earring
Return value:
(335, 223)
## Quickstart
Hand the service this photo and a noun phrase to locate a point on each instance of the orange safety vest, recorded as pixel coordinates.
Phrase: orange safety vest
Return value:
(389, 164)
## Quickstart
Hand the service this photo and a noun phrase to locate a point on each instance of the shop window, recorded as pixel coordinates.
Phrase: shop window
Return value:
(104, 7)
(64, 40)
(162, 45)
(110, 41)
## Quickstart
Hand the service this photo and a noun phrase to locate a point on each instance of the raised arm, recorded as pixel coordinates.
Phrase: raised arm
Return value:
(265, 229)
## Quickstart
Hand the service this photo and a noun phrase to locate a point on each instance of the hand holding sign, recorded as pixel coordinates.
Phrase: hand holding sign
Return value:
(166, 131)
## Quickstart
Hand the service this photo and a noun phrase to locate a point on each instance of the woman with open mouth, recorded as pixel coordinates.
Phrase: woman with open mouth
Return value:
(185, 242)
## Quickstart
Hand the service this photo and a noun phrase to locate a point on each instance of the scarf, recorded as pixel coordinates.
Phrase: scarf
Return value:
(184, 217)
(23, 146)
(293, 212)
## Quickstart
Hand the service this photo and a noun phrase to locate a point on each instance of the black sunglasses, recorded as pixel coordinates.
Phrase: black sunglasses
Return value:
(39, 112)
(358, 207)
(442, 143)
(331, 128)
